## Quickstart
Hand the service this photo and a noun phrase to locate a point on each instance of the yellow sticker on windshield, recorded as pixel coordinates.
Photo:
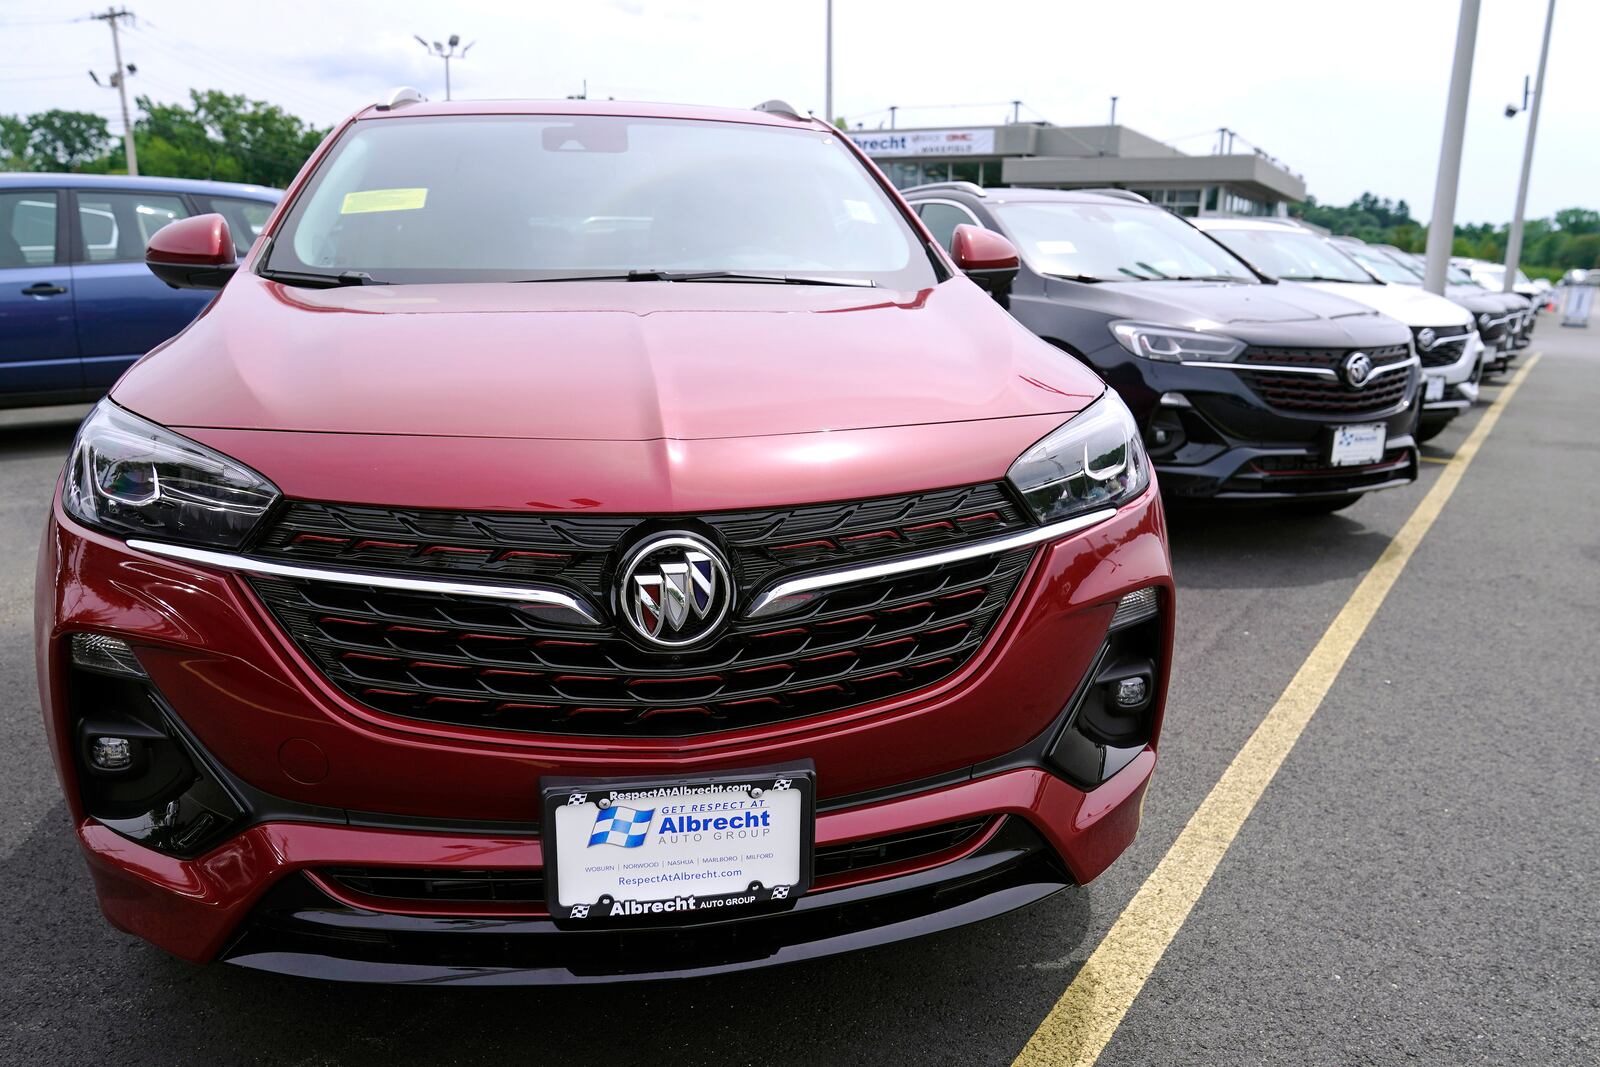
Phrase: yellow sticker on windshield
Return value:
(383, 200)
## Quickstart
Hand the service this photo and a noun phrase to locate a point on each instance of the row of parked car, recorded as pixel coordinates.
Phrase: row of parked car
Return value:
(588, 540)
(1264, 359)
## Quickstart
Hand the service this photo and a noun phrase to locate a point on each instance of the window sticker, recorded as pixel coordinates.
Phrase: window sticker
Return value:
(359, 203)
(1056, 248)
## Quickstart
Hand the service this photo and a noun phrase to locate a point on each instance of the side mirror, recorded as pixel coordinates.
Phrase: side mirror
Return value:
(193, 253)
(985, 257)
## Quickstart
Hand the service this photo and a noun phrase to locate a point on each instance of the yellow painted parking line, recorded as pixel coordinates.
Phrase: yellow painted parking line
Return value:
(1080, 1024)
(1441, 459)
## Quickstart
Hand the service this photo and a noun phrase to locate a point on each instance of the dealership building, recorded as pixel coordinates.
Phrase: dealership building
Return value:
(1043, 156)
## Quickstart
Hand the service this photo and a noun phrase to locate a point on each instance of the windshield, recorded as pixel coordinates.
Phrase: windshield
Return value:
(1383, 265)
(1115, 243)
(514, 197)
(1293, 255)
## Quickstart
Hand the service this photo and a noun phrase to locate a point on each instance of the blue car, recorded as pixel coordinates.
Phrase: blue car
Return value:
(77, 305)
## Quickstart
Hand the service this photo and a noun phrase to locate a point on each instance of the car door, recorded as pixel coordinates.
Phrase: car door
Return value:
(123, 310)
(38, 343)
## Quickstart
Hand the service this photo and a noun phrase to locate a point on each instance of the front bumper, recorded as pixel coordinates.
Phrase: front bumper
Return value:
(326, 783)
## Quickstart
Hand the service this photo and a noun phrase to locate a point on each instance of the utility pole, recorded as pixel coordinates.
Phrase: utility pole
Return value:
(892, 110)
(119, 79)
(827, 66)
(1113, 111)
(1514, 244)
(1442, 230)
(446, 54)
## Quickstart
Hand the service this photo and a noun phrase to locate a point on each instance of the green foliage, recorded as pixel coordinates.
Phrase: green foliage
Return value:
(1571, 238)
(214, 136)
(52, 140)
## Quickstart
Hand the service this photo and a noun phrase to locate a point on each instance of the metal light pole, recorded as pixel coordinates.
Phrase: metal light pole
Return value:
(827, 67)
(446, 54)
(1442, 230)
(120, 80)
(1514, 244)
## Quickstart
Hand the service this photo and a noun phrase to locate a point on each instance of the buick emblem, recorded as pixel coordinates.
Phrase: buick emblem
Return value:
(673, 590)
(1357, 369)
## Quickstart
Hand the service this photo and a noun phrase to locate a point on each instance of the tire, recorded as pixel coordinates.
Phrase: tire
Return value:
(1324, 506)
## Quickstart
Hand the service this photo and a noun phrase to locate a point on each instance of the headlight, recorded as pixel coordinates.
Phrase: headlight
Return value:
(1172, 345)
(130, 476)
(1095, 460)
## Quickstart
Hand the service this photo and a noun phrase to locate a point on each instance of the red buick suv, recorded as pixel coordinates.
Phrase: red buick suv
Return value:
(588, 541)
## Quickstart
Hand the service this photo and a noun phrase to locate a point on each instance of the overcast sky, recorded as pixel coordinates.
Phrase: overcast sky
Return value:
(1350, 93)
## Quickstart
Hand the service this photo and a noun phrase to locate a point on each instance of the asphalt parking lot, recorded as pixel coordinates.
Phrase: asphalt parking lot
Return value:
(1417, 883)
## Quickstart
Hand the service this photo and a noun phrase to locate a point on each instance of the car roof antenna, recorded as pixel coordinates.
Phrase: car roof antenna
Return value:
(779, 107)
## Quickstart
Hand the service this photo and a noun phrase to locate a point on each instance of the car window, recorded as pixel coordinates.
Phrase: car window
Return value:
(942, 220)
(1383, 265)
(27, 229)
(1293, 255)
(525, 197)
(1115, 242)
(246, 218)
(116, 226)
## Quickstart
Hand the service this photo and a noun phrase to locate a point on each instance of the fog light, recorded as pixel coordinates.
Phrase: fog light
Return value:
(108, 655)
(1132, 693)
(111, 753)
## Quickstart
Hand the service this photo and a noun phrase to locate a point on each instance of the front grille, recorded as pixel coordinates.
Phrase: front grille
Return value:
(1314, 394)
(575, 550)
(460, 659)
(1447, 346)
(445, 885)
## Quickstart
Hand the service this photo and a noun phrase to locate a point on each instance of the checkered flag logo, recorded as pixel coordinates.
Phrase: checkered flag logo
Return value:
(780, 892)
(622, 826)
(782, 783)
(580, 911)
(578, 798)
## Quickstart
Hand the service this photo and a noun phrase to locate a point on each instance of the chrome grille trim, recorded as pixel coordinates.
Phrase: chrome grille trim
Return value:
(796, 592)
(551, 604)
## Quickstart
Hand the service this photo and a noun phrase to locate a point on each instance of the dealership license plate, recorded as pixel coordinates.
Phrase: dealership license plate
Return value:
(676, 850)
(1433, 389)
(1355, 445)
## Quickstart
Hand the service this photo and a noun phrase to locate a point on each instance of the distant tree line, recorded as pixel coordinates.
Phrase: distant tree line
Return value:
(214, 136)
(1568, 239)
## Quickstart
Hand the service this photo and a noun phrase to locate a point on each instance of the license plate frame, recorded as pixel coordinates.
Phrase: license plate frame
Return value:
(1357, 444)
(775, 884)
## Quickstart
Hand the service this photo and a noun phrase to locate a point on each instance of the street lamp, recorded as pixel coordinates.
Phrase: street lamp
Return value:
(446, 52)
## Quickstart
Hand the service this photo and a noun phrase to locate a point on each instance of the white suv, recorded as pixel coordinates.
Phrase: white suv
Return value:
(1444, 332)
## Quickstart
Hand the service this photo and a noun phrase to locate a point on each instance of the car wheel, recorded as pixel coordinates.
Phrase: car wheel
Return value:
(1323, 506)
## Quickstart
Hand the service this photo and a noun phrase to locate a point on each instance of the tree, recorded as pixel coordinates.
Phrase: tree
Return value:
(1577, 220)
(65, 140)
(13, 142)
(223, 137)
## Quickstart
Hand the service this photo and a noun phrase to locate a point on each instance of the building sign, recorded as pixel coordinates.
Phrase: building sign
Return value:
(926, 142)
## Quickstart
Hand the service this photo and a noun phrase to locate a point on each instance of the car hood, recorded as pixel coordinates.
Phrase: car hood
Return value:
(599, 361)
(1412, 306)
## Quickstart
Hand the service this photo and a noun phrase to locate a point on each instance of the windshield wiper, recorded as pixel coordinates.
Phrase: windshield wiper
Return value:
(707, 276)
(1322, 278)
(317, 280)
(1201, 278)
(1088, 279)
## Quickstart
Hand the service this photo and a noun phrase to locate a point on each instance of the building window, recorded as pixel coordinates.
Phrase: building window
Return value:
(1184, 202)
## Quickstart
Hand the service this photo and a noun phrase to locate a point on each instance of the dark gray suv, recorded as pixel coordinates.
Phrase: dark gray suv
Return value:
(1244, 389)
